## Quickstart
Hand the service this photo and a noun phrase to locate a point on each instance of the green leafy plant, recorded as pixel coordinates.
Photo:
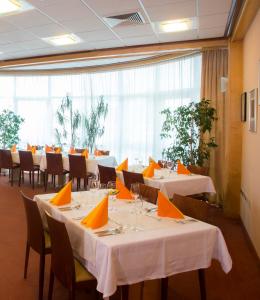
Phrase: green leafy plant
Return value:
(93, 123)
(9, 128)
(188, 129)
(69, 122)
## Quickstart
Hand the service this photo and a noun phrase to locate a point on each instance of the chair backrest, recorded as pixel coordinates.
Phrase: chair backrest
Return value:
(78, 166)
(198, 170)
(54, 163)
(62, 260)
(35, 231)
(6, 161)
(149, 193)
(104, 152)
(106, 174)
(192, 207)
(26, 160)
(131, 177)
(79, 150)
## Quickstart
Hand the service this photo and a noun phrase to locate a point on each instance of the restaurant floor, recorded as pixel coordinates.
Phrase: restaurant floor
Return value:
(243, 282)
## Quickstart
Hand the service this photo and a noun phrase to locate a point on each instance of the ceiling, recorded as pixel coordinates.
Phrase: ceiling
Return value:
(21, 34)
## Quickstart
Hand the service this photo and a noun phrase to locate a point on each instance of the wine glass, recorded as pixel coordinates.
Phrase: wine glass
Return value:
(169, 166)
(135, 190)
(94, 185)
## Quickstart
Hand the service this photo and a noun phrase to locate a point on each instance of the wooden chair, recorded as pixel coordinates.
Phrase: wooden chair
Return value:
(198, 210)
(78, 169)
(26, 164)
(54, 167)
(64, 266)
(131, 177)
(104, 152)
(149, 193)
(37, 239)
(106, 174)
(198, 170)
(6, 162)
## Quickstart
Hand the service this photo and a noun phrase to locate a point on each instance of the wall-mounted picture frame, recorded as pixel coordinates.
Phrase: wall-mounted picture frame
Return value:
(252, 98)
(243, 107)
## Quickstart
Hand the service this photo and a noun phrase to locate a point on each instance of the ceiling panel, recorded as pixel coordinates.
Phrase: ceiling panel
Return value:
(178, 36)
(212, 21)
(97, 35)
(211, 32)
(171, 11)
(49, 30)
(28, 19)
(211, 7)
(69, 10)
(142, 40)
(134, 30)
(114, 7)
(84, 24)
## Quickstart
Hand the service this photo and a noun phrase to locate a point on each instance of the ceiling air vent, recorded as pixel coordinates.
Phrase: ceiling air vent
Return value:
(125, 19)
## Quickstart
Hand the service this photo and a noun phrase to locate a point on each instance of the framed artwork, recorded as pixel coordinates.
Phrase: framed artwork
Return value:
(243, 107)
(252, 110)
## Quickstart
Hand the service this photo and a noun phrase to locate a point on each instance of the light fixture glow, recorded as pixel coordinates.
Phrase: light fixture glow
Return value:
(176, 25)
(62, 40)
(9, 6)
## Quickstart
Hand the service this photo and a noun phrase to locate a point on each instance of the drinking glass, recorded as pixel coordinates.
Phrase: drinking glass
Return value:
(169, 166)
(94, 185)
(135, 190)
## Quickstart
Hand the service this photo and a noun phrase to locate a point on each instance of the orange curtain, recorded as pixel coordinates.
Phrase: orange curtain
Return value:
(215, 66)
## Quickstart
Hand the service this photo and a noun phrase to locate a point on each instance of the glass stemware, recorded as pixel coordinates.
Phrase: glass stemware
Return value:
(138, 204)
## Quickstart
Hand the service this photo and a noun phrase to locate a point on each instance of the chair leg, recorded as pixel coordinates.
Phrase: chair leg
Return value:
(23, 175)
(78, 183)
(27, 252)
(124, 292)
(72, 294)
(203, 295)
(45, 181)
(12, 177)
(142, 291)
(30, 177)
(33, 180)
(54, 181)
(51, 283)
(164, 288)
(20, 177)
(41, 276)
(38, 176)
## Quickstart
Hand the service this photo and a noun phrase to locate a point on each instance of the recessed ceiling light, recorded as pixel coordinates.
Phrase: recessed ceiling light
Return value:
(177, 25)
(13, 6)
(62, 40)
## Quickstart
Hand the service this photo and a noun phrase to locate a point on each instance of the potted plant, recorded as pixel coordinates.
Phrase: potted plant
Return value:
(188, 129)
(10, 124)
(69, 121)
(93, 123)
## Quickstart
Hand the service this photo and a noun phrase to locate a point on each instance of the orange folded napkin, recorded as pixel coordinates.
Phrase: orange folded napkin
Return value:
(63, 196)
(181, 169)
(72, 150)
(149, 171)
(48, 149)
(58, 150)
(33, 149)
(124, 193)
(167, 209)
(85, 153)
(156, 165)
(98, 217)
(13, 148)
(123, 166)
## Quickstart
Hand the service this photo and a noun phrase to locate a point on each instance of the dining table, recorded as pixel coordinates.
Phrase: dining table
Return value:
(169, 182)
(92, 162)
(139, 245)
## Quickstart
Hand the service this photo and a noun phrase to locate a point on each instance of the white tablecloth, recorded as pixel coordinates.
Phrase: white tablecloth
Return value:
(161, 249)
(92, 163)
(36, 158)
(180, 184)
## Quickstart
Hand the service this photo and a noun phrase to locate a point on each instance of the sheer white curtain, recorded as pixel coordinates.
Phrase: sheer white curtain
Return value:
(135, 99)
